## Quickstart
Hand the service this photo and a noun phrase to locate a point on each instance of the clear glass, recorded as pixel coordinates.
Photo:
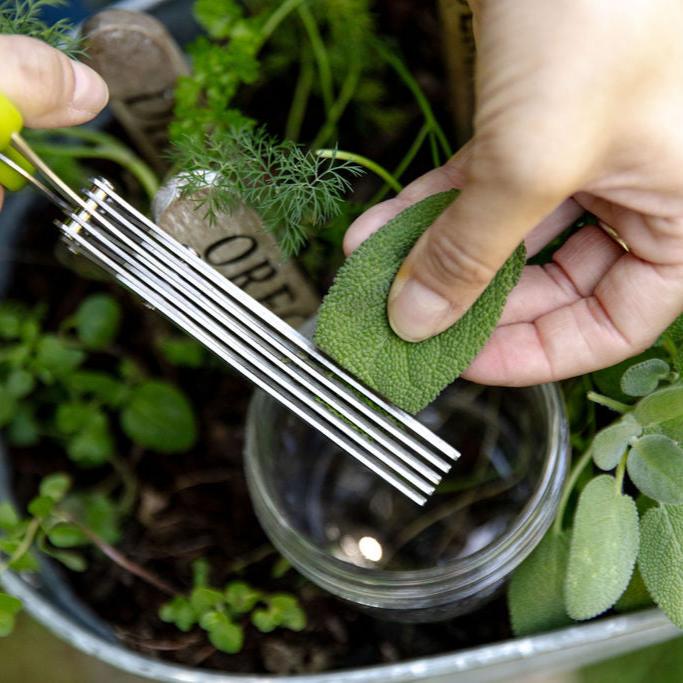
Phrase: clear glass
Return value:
(356, 537)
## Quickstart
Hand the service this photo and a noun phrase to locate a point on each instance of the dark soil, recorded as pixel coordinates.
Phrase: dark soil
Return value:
(196, 504)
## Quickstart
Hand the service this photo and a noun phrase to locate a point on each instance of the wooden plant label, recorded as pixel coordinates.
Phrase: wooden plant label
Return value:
(237, 245)
(456, 19)
(140, 62)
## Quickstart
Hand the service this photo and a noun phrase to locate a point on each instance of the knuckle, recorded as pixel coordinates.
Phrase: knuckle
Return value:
(451, 262)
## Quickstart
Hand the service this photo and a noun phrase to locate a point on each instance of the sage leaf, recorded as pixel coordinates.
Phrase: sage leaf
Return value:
(643, 378)
(56, 358)
(97, 320)
(655, 466)
(536, 591)
(660, 406)
(608, 380)
(603, 549)
(353, 327)
(159, 417)
(661, 558)
(611, 443)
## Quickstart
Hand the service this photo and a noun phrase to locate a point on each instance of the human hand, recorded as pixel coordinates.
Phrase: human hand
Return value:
(579, 106)
(48, 89)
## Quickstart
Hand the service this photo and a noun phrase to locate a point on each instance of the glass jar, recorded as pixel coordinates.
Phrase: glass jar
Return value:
(353, 535)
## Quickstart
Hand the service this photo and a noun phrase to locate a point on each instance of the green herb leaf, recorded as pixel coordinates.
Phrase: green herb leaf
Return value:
(55, 486)
(8, 516)
(72, 561)
(664, 404)
(643, 378)
(24, 429)
(661, 558)
(611, 443)
(97, 320)
(203, 599)
(55, 357)
(353, 327)
(183, 352)
(536, 591)
(20, 383)
(287, 611)
(98, 513)
(99, 385)
(655, 466)
(264, 620)
(9, 608)
(41, 506)
(225, 635)
(603, 549)
(65, 535)
(608, 380)
(160, 417)
(178, 611)
(241, 597)
(93, 445)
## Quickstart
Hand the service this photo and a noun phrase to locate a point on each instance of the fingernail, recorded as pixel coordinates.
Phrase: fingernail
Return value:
(415, 311)
(90, 91)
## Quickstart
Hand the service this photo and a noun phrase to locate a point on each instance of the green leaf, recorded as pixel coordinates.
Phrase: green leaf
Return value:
(93, 445)
(203, 599)
(178, 611)
(8, 516)
(636, 596)
(280, 567)
(8, 406)
(225, 635)
(655, 466)
(160, 417)
(97, 321)
(24, 429)
(55, 486)
(73, 416)
(183, 352)
(603, 549)
(99, 385)
(56, 357)
(611, 443)
(661, 558)
(11, 318)
(200, 572)
(287, 611)
(20, 383)
(353, 327)
(41, 506)
(65, 535)
(241, 597)
(664, 404)
(98, 513)
(72, 561)
(9, 608)
(536, 591)
(264, 620)
(643, 378)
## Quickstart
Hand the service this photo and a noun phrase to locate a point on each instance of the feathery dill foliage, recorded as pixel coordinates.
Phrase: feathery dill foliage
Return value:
(293, 190)
(23, 17)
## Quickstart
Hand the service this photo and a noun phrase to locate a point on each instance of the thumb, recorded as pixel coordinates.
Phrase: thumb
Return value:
(457, 257)
(49, 89)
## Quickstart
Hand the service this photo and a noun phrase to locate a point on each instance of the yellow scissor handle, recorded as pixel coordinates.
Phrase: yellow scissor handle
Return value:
(11, 122)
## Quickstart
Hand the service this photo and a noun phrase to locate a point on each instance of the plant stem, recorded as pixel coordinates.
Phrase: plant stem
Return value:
(118, 154)
(320, 54)
(277, 17)
(403, 165)
(616, 406)
(24, 546)
(619, 475)
(345, 94)
(580, 465)
(302, 92)
(362, 161)
(122, 561)
(395, 62)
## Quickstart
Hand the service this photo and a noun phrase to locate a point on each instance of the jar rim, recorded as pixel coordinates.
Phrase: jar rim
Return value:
(463, 576)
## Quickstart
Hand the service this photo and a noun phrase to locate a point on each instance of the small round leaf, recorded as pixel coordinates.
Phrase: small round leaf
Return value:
(97, 321)
(160, 417)
(611, 443)
(664, 404)
(643, 378)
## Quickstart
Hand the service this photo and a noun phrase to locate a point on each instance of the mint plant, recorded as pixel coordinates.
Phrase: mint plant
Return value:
(223, 613)
(49, 386)
(56, 524)
(622, 545)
